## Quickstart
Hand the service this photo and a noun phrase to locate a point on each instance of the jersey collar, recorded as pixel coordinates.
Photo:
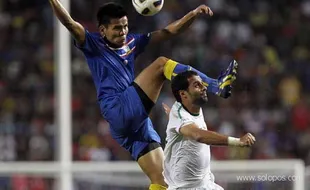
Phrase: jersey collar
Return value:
(193, 114)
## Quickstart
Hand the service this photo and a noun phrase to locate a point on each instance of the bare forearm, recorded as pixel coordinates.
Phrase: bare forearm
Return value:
(182, 24)
(212, 138)
(61, 13)
(192, 131)
(75, 28)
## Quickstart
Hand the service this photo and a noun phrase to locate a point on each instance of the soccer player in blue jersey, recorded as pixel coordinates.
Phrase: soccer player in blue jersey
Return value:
(126, 101)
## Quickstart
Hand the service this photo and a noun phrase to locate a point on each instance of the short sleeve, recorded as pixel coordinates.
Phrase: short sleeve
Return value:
(90, 45)
(180, 118)
(141, 41)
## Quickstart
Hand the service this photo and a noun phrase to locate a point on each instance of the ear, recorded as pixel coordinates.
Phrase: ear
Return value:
(183, 94)
(102, 30)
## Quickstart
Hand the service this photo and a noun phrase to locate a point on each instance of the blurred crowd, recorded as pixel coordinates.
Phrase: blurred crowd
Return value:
(269, 39)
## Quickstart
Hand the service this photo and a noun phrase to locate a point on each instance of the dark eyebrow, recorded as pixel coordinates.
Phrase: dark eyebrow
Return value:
(196, 82)
(120, 26)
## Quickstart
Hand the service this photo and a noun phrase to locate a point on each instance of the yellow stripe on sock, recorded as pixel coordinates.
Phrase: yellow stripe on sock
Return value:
(227, 77)
(169, 68)
(157, 187)
(225, 84)
(205, 84)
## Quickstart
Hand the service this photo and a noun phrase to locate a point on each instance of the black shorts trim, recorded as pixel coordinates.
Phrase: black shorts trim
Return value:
(146, 101)
(151, 146)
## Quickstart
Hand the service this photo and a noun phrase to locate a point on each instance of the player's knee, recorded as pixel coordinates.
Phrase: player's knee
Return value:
(160, 62)
(162, 59)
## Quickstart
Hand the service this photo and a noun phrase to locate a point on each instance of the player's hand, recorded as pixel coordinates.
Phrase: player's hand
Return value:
(203, 9)
(247, 140)
(167, 109)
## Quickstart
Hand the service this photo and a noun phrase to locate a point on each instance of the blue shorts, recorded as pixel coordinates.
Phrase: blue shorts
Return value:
(129, 122)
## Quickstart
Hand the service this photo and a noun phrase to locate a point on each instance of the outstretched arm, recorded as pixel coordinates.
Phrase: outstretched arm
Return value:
(213, 138)
(192, 131)
(180, 25)
(75, 28)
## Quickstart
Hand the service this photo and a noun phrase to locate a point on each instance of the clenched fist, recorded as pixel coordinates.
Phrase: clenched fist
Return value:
(203, 9)
(247, 140)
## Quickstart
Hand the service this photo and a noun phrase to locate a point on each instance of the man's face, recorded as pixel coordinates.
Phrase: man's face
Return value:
(116, 31)
(197, 92)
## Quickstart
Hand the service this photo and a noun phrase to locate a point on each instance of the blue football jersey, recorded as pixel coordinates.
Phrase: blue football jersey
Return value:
(112, 69)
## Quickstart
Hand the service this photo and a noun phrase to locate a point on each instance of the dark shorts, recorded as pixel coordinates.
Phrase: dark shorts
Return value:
(130, 124)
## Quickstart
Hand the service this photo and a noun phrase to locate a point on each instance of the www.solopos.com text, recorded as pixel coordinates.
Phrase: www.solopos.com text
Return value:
(266, 177)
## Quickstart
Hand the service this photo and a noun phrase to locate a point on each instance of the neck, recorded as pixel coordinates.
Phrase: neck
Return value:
(192, 109)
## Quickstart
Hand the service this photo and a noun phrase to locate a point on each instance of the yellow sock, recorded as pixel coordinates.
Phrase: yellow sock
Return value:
(173, 68)
(157, 187)
(169, 68)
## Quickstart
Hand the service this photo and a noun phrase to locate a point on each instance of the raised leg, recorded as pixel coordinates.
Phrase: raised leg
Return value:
(151, 79)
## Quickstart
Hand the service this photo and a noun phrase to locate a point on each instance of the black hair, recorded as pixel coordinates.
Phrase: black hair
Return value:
(110, 11)
(180, 82)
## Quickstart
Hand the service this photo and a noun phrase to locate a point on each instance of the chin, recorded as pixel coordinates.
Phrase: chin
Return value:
(118, 44)
(204, 98)
(122, 41)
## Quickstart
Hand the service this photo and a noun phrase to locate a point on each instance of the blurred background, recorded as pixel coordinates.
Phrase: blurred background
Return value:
(269, 39)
